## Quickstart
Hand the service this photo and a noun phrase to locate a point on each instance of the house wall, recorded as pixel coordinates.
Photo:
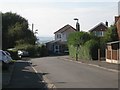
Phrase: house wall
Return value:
(64, 35)
(58, 36)
(100, 29)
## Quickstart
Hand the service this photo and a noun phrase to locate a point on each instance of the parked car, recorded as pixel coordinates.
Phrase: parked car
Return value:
(22, 53)
(5, 59)
(8, 55)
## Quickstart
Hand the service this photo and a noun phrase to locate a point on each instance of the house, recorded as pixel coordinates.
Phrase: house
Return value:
(59, 45)
(113, 48)
(99, 30)
(117, 23)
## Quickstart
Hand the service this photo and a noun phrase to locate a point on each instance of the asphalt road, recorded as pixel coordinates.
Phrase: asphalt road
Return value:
(67, 74)
(25, 77)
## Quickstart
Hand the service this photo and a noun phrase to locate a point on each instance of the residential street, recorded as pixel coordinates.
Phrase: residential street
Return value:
(60, 73)
(67, 74)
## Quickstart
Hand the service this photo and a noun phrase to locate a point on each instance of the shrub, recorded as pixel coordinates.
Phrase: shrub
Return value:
(78, 38)
(34, 50)
(87, 51)
(43, 51)
(14, 54)
(92, 46)
(28, 47)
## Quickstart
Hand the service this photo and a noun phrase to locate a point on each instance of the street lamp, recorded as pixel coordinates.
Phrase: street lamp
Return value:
(77, 29)
(77, 24)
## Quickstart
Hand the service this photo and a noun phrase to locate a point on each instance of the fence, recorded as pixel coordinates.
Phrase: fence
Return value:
(112, 56)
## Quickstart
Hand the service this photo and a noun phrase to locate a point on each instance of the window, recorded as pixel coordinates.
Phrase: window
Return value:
(99, 33)
(56, 47)
(58, 35)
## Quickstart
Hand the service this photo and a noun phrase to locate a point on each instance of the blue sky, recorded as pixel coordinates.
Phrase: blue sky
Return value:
(51, 15)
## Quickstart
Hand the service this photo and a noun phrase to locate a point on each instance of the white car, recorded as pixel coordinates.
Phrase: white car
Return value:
(22, 53)
(5, 57)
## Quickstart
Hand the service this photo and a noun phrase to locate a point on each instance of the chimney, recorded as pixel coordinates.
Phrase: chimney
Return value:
(106, 23)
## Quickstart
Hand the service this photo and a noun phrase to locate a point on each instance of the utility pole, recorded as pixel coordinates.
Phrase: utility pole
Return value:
(32, 27)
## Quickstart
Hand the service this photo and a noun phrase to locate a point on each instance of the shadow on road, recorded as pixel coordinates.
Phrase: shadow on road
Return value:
(24, 77)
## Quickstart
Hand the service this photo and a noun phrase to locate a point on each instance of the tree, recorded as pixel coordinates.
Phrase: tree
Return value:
(78, 38)
(111, 34)
(14, 30)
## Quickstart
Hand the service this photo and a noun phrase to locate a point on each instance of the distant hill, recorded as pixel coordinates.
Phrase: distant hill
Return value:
(43, 40)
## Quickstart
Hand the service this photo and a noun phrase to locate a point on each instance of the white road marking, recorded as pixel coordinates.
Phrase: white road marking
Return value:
(45, 79)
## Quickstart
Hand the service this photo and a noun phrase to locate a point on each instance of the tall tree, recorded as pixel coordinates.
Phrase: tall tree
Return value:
(15, 28)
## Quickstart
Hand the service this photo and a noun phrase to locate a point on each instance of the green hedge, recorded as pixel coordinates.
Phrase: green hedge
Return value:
(34, 50)
(92, 46)
(87, 51)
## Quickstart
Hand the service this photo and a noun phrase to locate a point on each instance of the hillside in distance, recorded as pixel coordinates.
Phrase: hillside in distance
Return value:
(43, 40)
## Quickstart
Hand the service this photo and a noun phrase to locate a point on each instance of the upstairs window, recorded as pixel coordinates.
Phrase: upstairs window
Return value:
(58, 35)
(99, 33)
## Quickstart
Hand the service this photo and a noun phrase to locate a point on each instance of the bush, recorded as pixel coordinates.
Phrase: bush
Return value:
(34, 50)
(43, 51)
(72, 51)
(78, 38)
(92, 46)
(87, 51)
(14, 54)
(31, 49)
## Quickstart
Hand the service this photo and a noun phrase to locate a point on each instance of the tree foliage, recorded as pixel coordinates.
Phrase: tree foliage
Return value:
(15, 30)
(111, 34)
(78, 38)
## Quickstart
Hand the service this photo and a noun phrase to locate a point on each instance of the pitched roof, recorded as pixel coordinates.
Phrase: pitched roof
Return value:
(66, 27)
(97, 26)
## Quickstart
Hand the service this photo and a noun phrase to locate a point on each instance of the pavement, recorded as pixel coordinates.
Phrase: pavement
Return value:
(101, 64)
(6, 76)
(21, 75)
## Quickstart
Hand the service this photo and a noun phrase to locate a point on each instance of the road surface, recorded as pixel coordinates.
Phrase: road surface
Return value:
(67, 74)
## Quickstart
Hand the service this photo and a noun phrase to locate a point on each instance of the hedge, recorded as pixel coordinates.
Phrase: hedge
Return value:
(87, 51)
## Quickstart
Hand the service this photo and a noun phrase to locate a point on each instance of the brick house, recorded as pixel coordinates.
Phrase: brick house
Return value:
(99, 30)
(59, 45)
(113, 48)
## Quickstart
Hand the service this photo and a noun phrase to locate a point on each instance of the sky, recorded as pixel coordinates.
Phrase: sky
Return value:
(49, 16)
